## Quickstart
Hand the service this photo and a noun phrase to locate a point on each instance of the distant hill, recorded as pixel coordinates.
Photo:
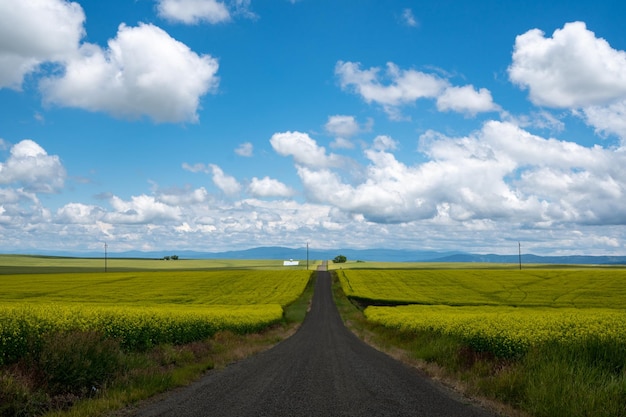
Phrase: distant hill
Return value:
(380, 255)
(535, 259)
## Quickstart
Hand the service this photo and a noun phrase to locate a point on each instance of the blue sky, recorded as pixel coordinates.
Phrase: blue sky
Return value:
(218, 125)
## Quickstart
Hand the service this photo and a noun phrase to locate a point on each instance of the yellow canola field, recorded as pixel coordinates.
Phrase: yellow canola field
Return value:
(137, 328)
(142, 309)
(505, 312)
(507, 331)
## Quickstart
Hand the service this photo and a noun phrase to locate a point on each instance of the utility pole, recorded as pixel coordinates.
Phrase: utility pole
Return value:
(519, 245)
(105, 257)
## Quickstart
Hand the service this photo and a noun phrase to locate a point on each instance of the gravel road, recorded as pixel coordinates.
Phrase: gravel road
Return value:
(322, 370)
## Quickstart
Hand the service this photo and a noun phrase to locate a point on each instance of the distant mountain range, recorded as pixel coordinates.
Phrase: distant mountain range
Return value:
(381, 255)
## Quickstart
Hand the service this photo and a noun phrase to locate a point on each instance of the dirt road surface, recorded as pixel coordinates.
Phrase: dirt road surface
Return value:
(322, 370)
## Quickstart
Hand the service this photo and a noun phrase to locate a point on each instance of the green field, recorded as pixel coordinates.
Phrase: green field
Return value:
(548, 287)
(18, 264)
(145, 288)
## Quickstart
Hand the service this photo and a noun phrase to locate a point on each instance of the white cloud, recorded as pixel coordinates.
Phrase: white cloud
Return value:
(142, 209)
(384, 143)
(466, 100)
(571, 69)
(193, 11)
(183, 196)
(34, 32)
(245, 149)
(408, 18)
(269, 187)
(500, 173)
(195, 168)
(576, 70)
(609, 119)
(341, 143)
(304, 150)
(30, 166)
(224, 182)
(342, 126)
(79, 213)
(242, 8)
(407, 86)
(144, 72)
(541, 119)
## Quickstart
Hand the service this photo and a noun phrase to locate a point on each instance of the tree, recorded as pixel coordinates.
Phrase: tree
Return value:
(339, 259)
(174, 257)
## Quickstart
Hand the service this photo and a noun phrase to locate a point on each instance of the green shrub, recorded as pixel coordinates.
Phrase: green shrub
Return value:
(77, 362)
(18, 399)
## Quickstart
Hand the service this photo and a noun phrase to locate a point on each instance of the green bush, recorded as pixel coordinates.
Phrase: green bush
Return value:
(18, 399)
(77, 362)
(339, 259)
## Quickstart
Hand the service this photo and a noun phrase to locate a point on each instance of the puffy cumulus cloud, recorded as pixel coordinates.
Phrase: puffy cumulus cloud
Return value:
(193, 11)
(609, 119)
(11, 196)
(342, 126)
(384, 142)
(251, 222)
(303, 149)
(571, 69)
(79, 213)
(264, 187)
(151, 223)
(142, 209)
(34, 32)
(143, 72)
(245, 149)
(19, 209)
(405, 86)
(269, 187)
(398, 87)
(499, 174)
(30, 167)
(466, 100)
(183, 196)
(228, 184)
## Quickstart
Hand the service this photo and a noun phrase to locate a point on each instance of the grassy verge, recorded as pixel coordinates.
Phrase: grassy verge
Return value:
(81, 374)
(550, 381)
